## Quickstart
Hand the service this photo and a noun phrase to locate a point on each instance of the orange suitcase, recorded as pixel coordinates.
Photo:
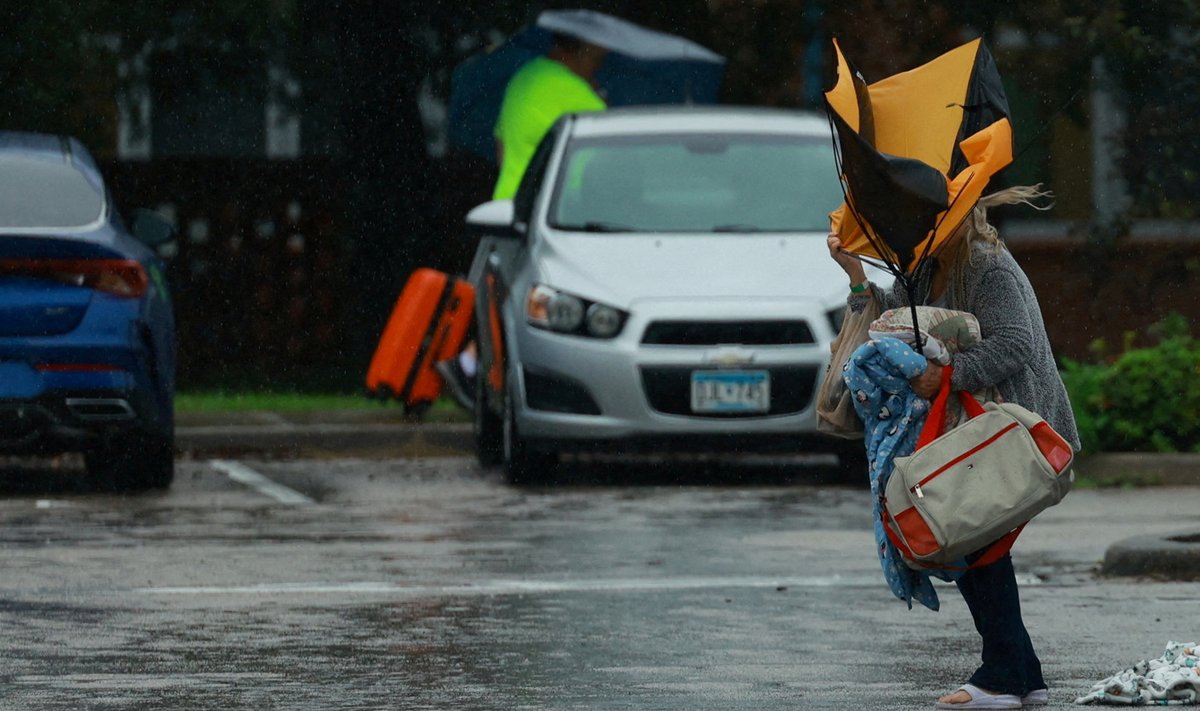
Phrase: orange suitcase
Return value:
(428, 324)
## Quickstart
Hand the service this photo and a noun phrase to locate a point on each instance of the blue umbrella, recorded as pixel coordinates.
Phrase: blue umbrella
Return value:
(643, 67)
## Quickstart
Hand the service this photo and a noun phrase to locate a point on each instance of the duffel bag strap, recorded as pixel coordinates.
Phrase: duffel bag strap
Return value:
(936, 419)
(970, 404)
(997, 550)
(991, 554)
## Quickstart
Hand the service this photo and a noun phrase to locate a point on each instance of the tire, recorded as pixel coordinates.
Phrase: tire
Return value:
(489, 429)
(523, 465)
(133, 462)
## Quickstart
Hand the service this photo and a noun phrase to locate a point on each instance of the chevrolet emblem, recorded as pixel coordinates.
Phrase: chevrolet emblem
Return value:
(729, 358)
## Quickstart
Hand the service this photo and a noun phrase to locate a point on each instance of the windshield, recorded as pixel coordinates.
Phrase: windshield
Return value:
(696, 183)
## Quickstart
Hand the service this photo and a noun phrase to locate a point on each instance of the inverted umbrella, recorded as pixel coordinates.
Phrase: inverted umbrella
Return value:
(915, 152)
(643, 67)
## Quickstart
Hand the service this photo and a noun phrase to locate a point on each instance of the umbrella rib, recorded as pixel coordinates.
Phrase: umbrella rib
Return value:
(910, 285)
(867, 260)
(938, 226)
(893, 266)
(874, 240)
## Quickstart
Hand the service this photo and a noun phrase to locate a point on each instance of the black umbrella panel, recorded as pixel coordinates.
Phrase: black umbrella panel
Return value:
(914, 153)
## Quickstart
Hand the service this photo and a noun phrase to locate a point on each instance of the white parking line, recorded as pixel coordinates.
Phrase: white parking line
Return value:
(516, 587)
(245, 475)
(488, 588)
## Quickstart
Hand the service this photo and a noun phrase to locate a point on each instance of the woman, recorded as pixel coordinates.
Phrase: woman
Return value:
(974, 272)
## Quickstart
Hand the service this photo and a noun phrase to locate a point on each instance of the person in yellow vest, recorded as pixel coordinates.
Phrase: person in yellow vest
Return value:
(541, 92)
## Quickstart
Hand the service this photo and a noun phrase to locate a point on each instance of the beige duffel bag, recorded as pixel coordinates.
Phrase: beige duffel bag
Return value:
(976, 485)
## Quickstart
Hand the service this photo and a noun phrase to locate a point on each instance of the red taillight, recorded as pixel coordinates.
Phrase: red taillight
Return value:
(121, 277)
(75, 367)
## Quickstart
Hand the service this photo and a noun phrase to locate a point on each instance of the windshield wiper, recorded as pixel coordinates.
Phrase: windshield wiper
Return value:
(736, 228)
(595, 226)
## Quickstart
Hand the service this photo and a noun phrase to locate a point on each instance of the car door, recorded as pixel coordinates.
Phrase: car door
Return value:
(498, 260)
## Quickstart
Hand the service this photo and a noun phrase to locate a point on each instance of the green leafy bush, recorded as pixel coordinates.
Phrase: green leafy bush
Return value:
(1145, 399)
(1084, 383)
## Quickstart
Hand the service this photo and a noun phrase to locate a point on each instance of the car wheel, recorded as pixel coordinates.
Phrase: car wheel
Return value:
(523, 465)
(489, 429)
(133, 462)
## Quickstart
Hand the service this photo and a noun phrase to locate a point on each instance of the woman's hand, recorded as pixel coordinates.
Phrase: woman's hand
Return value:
(928, 383)
(850, 265)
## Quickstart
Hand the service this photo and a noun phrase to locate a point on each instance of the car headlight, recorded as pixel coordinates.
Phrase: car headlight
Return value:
(554, 310)
(603, 321)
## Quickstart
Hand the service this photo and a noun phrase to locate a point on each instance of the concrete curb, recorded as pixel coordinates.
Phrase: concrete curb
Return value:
(317, 440)
(1173, 557)
(1138, 468)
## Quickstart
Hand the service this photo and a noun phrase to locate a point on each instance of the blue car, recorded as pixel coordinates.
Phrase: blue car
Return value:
(87, 333)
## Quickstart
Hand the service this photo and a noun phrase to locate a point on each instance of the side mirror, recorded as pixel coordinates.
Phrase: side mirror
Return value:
(151, 228)
(494, 219)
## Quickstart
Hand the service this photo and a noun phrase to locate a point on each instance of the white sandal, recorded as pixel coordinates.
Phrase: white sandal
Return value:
(1037, 697)
(981, 699)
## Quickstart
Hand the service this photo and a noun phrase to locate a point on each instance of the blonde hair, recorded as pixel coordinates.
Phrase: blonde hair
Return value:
(962, 255)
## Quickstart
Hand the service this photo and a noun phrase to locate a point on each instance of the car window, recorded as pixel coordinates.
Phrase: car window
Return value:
(697, 183)
(36, 192)
(535, 175)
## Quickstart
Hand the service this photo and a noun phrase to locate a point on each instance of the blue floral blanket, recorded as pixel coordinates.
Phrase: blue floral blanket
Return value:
(878, 375)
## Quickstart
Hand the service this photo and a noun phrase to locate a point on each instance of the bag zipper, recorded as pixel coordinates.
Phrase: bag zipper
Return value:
(916, 488)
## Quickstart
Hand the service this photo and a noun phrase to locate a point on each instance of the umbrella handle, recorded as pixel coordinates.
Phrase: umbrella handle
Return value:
(911, 288)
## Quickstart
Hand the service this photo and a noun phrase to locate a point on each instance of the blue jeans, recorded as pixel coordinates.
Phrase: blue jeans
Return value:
(1010, 665)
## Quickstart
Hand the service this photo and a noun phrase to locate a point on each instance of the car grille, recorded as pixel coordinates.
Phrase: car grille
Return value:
(669, 390)
(714, 333)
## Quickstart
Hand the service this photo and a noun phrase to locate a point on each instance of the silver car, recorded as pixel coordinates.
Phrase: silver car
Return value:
(661, 282)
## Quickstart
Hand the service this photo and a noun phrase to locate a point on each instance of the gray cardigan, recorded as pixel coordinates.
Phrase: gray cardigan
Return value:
(1014, 353)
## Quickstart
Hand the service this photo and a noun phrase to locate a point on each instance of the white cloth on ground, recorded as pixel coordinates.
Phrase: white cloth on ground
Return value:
(1171, 680)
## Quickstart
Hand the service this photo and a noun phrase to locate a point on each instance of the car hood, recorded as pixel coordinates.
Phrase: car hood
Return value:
(621, 269)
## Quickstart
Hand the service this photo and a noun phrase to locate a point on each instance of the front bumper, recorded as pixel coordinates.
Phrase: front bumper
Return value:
(641, 391)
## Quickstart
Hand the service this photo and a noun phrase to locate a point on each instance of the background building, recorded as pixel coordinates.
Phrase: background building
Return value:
(301, 145)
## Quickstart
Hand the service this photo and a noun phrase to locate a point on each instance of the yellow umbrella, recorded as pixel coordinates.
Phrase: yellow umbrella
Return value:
(916, 151)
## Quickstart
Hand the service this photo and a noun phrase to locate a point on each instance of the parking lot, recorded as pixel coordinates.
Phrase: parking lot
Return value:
(430, 584)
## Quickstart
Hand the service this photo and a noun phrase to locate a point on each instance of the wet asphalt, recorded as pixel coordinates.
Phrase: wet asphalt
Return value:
(430, 584)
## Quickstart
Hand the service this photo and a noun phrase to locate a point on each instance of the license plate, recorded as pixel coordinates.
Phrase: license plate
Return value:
(731, 391)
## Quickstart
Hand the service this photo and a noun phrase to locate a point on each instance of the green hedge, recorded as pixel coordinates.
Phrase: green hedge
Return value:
(1146, 399)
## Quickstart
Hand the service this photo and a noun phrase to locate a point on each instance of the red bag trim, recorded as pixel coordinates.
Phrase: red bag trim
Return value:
(993, 553)
(892, 535)
(1052, 446)
(917, 533)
